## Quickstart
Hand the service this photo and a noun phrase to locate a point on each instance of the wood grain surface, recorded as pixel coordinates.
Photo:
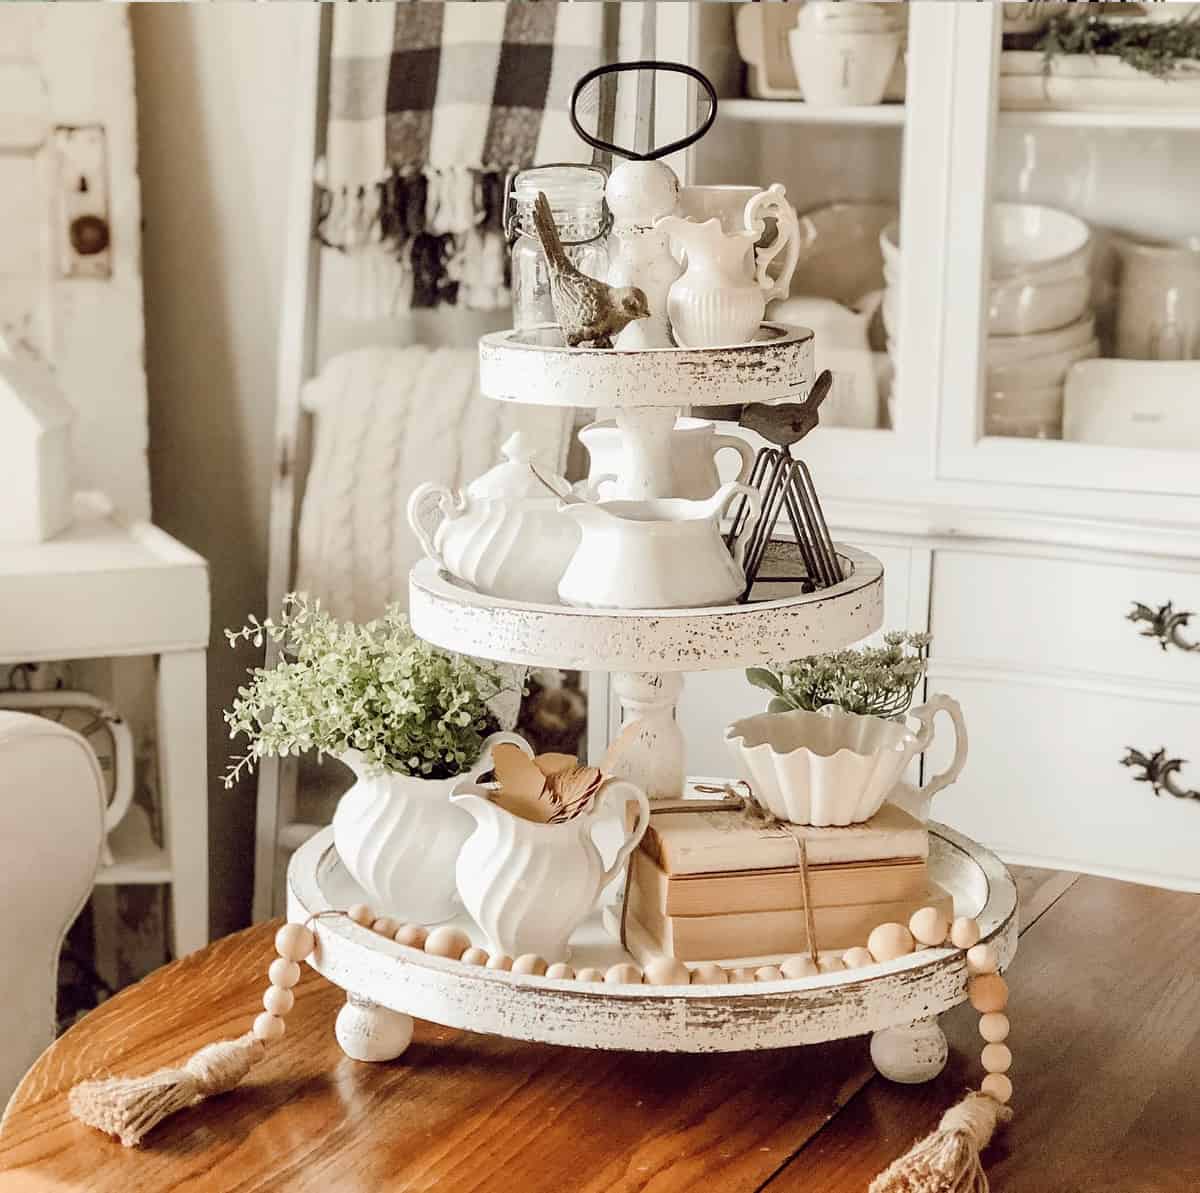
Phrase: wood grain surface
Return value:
(1106, 1038)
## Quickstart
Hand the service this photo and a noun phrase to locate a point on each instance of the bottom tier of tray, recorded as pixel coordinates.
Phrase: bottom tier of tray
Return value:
(381, 973)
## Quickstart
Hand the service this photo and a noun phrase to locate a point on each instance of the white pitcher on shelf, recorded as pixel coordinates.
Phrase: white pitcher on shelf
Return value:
(727, 283)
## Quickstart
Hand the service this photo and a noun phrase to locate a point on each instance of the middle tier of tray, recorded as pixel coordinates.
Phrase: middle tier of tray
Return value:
(783, 623)
(534, 366)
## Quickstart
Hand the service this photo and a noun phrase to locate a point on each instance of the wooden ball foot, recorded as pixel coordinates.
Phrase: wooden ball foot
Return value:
(367, 1031)
(910, 1054)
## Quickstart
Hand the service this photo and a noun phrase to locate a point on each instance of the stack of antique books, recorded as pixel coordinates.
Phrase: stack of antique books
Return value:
(717, 886)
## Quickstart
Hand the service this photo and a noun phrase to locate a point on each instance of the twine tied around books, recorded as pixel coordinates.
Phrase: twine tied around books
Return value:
(755, 815)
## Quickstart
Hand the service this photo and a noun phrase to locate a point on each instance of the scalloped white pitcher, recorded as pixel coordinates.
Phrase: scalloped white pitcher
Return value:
(530, 885)
(399, 836)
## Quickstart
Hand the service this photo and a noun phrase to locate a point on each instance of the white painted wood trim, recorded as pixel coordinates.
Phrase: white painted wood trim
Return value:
(297, 356)
(669, 1018)
(448, 614)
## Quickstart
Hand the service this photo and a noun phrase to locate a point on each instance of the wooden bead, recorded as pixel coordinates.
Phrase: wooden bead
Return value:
(768, 973)
(623, 975)
(996, 1058)
(994, 1027)
(709, 974)
(964, 932)
(561, 970)
(278, 1001)
(857, 957)
(412, 935)
(283, 973)
(360, 913)
(294, 942)
(590, 974)
(929, 926)
(889, 941)
(447, 942)
(529, 963)
(741, 974)
(981, 958)
(831, 964)
(268, 1027)
(385, 926)
(666, 971)
(800, 966)
(998, 1086)
(988, 992)
(500, 961)
(474, 956)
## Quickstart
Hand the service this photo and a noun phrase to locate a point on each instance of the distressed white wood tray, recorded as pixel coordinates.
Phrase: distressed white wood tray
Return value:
(533, 365)
(884, 999)
(451, 614)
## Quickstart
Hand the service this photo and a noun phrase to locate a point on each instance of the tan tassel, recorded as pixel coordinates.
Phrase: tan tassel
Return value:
(948, 1160)
(128, 1107)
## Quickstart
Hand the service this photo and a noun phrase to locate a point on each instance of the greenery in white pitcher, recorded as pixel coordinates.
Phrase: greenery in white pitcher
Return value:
(875, 681)
(376, 688)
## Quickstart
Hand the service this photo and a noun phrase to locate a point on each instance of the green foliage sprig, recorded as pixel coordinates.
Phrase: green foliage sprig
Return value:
(875, 681)
(1157, 48)
(375, 688)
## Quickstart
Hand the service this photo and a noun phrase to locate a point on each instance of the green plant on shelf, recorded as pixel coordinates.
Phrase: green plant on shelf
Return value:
(375, 687)
(875, 681)
(1158, 48)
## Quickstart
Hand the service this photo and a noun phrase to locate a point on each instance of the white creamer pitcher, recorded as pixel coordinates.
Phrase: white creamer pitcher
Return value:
(530, 885)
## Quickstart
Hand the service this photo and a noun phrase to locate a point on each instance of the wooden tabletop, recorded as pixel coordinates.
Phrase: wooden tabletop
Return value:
(1106, 1035)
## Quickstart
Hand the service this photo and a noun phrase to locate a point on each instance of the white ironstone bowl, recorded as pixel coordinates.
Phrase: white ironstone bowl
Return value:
(821, 768)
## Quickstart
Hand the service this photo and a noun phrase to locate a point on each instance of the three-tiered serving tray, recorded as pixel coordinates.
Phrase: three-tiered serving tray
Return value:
(647, 651)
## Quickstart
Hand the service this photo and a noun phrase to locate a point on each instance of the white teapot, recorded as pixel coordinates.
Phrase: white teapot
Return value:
(505, 536)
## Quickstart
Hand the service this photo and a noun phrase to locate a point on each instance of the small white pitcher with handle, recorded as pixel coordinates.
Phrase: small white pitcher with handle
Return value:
(726, 285)
(530, 885)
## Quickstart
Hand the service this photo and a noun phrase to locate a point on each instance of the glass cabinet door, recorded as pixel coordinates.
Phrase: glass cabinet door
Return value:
(829, 112)
(1073, 299)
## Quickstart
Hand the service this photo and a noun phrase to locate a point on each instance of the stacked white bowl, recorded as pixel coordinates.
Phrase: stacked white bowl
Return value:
(1039, 317)
(845, 54)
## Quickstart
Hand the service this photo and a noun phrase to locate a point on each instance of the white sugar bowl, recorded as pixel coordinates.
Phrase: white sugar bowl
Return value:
(505, 535)
(835, 767)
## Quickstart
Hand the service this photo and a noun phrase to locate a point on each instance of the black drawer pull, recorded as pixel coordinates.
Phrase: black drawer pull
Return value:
(1159, 771)
(1163, 624)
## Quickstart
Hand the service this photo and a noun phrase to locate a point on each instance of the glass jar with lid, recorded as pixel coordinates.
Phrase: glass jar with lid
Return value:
(576, 196)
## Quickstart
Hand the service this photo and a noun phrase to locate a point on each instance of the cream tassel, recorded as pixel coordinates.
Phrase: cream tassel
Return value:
(128, 1107)
(948, 1160)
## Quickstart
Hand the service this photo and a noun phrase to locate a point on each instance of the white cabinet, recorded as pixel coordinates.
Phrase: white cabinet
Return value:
(1023, 556)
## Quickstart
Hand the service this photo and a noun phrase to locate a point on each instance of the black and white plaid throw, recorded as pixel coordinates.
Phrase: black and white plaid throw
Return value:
(431, 106)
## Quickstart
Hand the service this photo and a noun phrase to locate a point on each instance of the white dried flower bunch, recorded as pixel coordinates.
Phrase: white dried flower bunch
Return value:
(874, 681)
(375, 688)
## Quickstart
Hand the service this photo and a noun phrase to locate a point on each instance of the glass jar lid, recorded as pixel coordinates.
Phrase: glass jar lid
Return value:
(564, 186)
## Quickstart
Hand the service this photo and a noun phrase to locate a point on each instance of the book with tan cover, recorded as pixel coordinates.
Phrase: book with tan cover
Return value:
(718, 842)
(772, 933)
(777, 890)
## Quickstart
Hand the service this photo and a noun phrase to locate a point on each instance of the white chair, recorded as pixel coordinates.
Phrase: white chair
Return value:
(51, 835)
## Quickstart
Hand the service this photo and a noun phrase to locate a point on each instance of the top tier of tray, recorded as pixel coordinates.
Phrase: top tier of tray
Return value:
(534, 366)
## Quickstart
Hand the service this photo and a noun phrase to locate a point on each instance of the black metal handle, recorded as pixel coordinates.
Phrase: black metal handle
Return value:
(615, 68)
(1159, 771)
(1163, 624)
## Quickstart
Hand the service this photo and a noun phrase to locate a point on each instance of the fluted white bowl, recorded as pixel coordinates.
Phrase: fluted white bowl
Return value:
(821, 768)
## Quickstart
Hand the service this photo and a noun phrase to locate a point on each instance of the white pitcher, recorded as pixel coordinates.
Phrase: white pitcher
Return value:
(530, 885)
(726, 285)
(399, 835)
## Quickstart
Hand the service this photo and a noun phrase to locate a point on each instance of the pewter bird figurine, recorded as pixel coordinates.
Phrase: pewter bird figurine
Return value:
(785, 423)
(589, 311)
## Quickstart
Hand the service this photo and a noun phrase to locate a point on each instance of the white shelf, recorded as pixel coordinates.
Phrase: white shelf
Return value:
(1180, 119)
(136, 858)
(796, 111)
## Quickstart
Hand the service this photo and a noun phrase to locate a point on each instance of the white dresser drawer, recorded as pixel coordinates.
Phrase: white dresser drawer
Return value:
(1044, 781)
(712, 699)
(1028, 612)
